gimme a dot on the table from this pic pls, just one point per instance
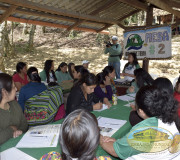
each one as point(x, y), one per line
point(118, 112)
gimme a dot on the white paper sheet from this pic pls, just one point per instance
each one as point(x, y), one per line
point(104, 107)
point(14, 154)
point(128, 104)
point(132, 95)
point(120, 80)
point(40, 137)
point(126, 98)
point(108, 126)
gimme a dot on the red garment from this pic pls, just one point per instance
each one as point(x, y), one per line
point(17, 78)
point(177, 97)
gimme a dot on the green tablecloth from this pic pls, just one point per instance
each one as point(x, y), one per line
point(118, 112)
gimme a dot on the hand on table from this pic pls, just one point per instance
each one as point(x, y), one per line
point(105, 139)
point(106, 101)
point(133, 107)
point(131, 89)
point(17, 133)
point(97, 106)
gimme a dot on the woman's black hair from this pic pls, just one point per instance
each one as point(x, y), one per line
point(47, 67)
point(100, 78)
point(20, 66)
point(70, 70)
point(61, 65)
point(5, 83)
point(135, 61)
point(107, 70)
point(89, 79)
point(33, 76)
point(142, 77)
point(80, 69)
point(79, 136)
point(164, 85)
point(156, 103)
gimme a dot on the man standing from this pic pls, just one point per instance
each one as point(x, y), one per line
point(115, 54)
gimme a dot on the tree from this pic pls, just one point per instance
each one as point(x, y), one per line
point(31, 38)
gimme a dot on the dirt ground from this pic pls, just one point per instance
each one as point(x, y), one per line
point(85, 46)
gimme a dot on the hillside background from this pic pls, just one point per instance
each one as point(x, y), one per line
point(75, 46)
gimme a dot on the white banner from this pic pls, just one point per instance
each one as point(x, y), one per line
point(153, 43)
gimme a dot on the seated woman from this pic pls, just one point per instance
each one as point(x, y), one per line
point(71, 69)
point(128, 71)
point(12, 120)
point(164, 85)
point(109, 71)
point(142, 78)
point(34, 87)
point(103, 88)
point(78, 72)
point(82, 95)
point(79, 138)
point(158, 109)
point(62, 75)
point(20, 78)
point(48, 74)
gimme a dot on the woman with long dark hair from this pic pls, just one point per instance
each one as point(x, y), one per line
point(71, 69)
point(142, 78)
point(48, 74)
point(20, 77)
point(34, 87)
point(78, 72)
point(62, 74)
point(157, 109)
point(82, 95)
point(128, 71)
point(12, 120)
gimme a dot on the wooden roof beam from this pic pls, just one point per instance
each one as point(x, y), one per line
point(105, 27)
point(120, 19)
point(7, 13)
point(172, 3)
point(57, 11)
point(46, 15)
point(104, 7)
point(163, 5)
point(136, 4)
point(51, 24)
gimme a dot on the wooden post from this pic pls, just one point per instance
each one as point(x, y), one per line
point(149, 22)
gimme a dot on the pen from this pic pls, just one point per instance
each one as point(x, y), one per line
point(53, 140)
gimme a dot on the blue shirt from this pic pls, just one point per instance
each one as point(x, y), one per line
point(28, 91)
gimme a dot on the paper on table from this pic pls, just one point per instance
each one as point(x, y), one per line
point(126, 98)
point(132, 95)
point(128, 105)
point(109, 126)
point(15, 154)
point(40, 137)
point(120, 80)
point(104, 107)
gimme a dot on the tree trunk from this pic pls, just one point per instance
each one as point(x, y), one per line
point(25, 29)
point(31, 38)
point(44, 29)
